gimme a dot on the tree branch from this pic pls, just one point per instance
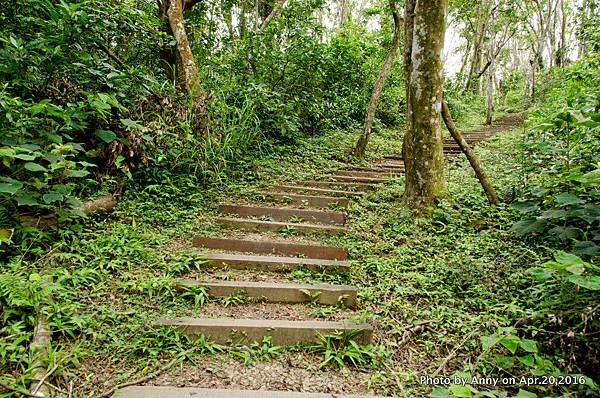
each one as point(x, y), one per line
point(473, 160)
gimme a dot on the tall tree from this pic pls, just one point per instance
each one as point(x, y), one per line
point(482, 23)
point(343, 12)
point(425, 27)
point(491, 69)
point(181, 59)
point(361, 145)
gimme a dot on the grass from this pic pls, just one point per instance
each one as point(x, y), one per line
point(431, 287)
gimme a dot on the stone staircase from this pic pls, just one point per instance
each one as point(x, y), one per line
point(308, 208)
point(305, 208)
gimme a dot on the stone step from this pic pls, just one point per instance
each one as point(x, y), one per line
point(197, 392)
point(362, 187)
point(363, 173)
point(390, 164)
point(271, 263)
point(308, 200)
point(394, 157)
point(275, 226)
point(319, 191)
point(224, 330)
point(378, 169)
point(272, 247)
point(285, 214)
point(279, 292)
point(372, 180)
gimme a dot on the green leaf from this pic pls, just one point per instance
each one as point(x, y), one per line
point(504, 362)
point(590, 213)
point(7, 152)
point(554, 214)
point(527, 360)
point(567, 199)
point(526, 206)
point(541, 274)
point(525, 394)
point(34, 167)
point(11, 187)
point(57, 139)
point(586, 248)
point(77, 173)
point(576, 269)
point(564, 233)
point(488, 341)
point(528, 345)
point(27, 199)
point(52, 197)
point(131, 124)
point(461, 391)
point(24, 156)
point(590, 282)
point(106, 135)
point(511, 342)
point(591, 178)
point(529, 226)
point(567, 258)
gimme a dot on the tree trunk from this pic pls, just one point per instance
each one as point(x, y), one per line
point(243, 28)
point(562, 47)
point(227, 14)
point(186, 77)
point(473, 160)
point(472, 81)
point(527, 92)
point(491, 71)
point(361, 145)
point(343, 13)
point(274, 12)
point(465, 60)
point(423, 145)
point(187, 73)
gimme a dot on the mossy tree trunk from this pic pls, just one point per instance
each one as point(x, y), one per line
point(181, 60)
point(423, 146)
point(343, 13)
point(361, 144)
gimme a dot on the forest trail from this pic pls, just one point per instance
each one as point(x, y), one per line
point(249, 266)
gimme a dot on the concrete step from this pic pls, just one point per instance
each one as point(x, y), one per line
point(224, 330)
point(371, 180)
point(363, 173)
point(279, 292)
point(285, 214)
point(245, 224)
point(317, 191)
point(272, 247)
point(271, 263)
point(196, 392)
point(361, 187)
point(308, 200)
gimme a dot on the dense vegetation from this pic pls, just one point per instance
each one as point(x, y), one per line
point(88, 107)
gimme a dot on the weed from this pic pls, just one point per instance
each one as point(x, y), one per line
point(340, 350)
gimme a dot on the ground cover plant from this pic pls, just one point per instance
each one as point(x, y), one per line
point(465, 299)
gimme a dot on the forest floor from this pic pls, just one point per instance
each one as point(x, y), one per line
point(430, 287)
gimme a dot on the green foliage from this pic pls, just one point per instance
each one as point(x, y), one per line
point(340, 350)
point(569, 268)
point(257, 351)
